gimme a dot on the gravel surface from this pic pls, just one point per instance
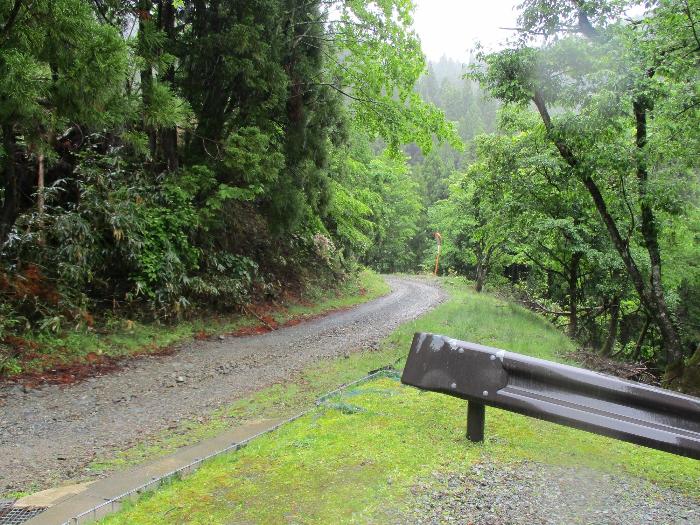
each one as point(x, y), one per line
point(52, 434)
point(530, 493)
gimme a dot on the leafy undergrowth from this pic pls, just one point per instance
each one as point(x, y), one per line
point(355, 459)
point(73, 355)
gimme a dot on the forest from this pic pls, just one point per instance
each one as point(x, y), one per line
point(162, 159)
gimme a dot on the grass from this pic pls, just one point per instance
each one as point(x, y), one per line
point(355, 459)
point(280, 400)
point(122, 338)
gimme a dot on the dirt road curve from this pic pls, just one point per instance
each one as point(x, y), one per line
point(51, 434)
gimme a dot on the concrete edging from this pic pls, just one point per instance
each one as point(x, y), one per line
point(89, 496)
point(87, 502)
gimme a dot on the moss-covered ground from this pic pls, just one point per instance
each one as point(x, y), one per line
point(355, 458)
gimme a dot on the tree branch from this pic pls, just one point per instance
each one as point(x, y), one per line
point(12, 18)
point(692, 23)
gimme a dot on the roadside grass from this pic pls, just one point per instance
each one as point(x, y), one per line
point(356, 458)
point(276, 401)
point(118, 338)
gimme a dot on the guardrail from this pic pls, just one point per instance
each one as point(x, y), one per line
point(575, 397)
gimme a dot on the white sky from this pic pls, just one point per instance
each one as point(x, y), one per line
point(451, 27)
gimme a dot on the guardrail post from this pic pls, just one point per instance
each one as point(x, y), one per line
point(476, 415)
point(575, 397)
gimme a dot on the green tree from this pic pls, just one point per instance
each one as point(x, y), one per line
point(395, 215)
point(470, 224)
point(605, 85)
point(62, 76)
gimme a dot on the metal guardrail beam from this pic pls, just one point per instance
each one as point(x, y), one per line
point(575, 397)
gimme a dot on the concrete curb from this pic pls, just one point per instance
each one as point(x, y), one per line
point(72, 504)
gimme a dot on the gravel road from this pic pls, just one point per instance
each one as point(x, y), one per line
point(529, 493)
point(51, 434)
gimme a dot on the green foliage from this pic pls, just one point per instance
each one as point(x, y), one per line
point(379, 61)
point(254, 157)
point(611, 155)
point(201, 158)
point(510, 75)
point(9, 319)
point(350, 217)
point(59, 66)
point(223, 151)
point(165, 256)
point(396, 217)
point(119, 228)
point(375, 206)
point(165, 109)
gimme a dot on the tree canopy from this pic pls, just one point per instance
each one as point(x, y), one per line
point(161, 158)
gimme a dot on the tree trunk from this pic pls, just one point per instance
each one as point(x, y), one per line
point(572, 329)
point(40, 205)
point(40, 184)
point(10, 204)
point(612, 326)
point(652, 296)
point(211, 117)
point(690, 380)
point(146, 75)
point(672, 341)
point(653, 301)
point(168, 136)
point(480, 277)
point(642, 336)
point(550, 281)
point(481, 264)
point(11, 19)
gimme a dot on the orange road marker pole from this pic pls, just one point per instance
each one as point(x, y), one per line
point(438, 238)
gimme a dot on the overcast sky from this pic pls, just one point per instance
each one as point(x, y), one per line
point(451, 27)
